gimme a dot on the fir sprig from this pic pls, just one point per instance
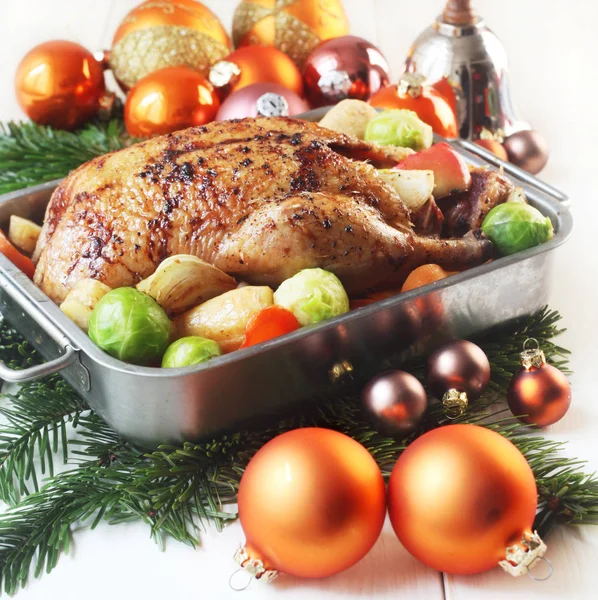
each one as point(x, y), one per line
point(31, 154)
point(177, 487)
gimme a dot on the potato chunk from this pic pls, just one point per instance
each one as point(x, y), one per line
point(82, 299)
point(23, 233)
point(350, 117)
point(184, 281)
point(224, 318)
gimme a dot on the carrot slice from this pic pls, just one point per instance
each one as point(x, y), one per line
point(16, 258)
point(268, 324)
point(424, 275)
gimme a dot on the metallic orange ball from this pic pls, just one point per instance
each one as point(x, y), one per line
point(294, 26)
point(256, 64)
point(168, 100)
point(167, 33)
point(311, 503)
point(541, 395)
point(60, 84)
point(459, 496)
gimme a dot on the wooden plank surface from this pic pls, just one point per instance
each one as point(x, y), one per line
point(552, 46)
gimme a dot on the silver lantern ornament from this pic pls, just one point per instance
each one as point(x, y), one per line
point(460, 48)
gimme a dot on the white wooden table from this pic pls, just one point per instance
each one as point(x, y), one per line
point(553, 48)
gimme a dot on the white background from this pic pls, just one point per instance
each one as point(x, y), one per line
point(553, 49)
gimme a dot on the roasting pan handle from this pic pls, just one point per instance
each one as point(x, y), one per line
point(68, 354)
point(513, 170)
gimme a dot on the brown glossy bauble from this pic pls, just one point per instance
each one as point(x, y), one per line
point(412, 93)
point(459, 496)
point(256, 64)
point(312, 503)
point(60, 84)
point(168, 100)
point(396, 401)
point(294, 26)
point(344, 67)
point(528, 150)
point(458, 365)
point(166, 33)
point(539, 396)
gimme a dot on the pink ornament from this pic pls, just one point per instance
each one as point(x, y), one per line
point(262, 100)
point(344, 67)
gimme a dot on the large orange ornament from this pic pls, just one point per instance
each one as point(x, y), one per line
point(59, 83)
point(167, 33)
point(462, 498)
point(256, 64)
point(169, 100)
point(431, 106)
point(311, 503)
point(294, 26)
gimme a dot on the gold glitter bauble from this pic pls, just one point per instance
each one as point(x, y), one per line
point(167, 33)
point(294, 26)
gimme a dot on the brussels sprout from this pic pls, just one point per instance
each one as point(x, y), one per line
point(130, 325)
point(313, 295)
point(399, 127)
point(516, 226)
point(190, 351)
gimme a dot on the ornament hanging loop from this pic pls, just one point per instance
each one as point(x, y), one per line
point(234, 575)
point(533, 564)
point(532, 357)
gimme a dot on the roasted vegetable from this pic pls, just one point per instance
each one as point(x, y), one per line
point(16, 258)
point(184, 281)
point(423, 276)
point(313, 295)
point(399, 127)
point(82, 299)
point(23, 233)
point(350, 117)
point(414, 187)
point(131, 326)
point(514, 226)
point(224, 318)
point(190, 351)
point(270, 323)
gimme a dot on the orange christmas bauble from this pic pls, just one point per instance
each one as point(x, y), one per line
point(167, 33)
point(256, 64)
point(311, 503)
point(60, 84)
point(431, 106)
point(459, 496)
point(294, 26)
point(168, 100)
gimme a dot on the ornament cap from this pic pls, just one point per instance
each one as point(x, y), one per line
point(455, 404)
point(254, 566)
point(272, 105)
point(224, 73)
point(520, 558)
point(532, 357)
point(411, 84)
point(336, 84)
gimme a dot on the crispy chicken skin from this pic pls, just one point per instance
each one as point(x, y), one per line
point(258, 198)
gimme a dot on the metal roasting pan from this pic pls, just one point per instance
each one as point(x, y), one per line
point(150, 406)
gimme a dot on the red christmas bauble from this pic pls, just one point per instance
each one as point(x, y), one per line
point(539, 394)
point(344, 67)
point(460, 496)
point(312, 503)
point(262, 100)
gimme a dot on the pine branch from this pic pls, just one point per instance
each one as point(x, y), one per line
point(31, 154)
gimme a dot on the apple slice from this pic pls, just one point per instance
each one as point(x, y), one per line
point(451, 173)
point(414, 187)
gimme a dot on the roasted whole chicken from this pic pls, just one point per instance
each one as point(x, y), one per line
point(260, 199)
